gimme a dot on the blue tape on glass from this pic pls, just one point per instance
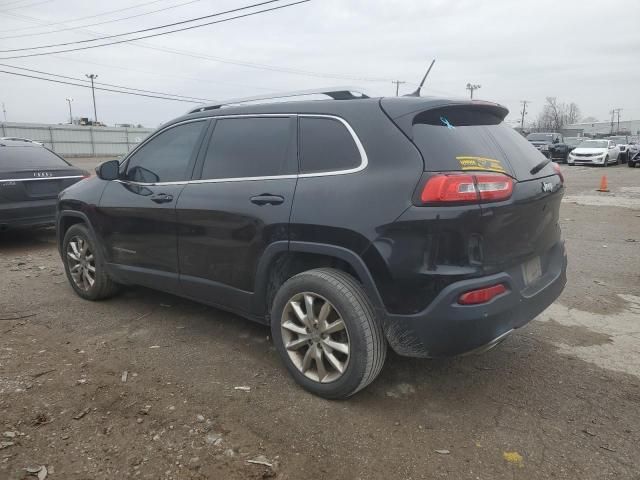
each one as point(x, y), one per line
point(446, 123)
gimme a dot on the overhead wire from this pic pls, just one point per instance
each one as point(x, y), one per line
point(98, 88)
point(105, 84)
point(121, 19)
point(159, 27)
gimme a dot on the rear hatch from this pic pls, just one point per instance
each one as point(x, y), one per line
point(471, 137)
point(33, 173)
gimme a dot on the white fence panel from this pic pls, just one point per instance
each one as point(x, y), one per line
point(76, 140)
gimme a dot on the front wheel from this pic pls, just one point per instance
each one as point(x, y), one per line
point(84, 264)
point(327, 334)
point(606, 161)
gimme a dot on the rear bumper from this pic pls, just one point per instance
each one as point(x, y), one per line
point(446, 328)
point(27, 214)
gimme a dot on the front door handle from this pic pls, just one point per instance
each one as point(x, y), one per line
point(162, 198)
point(267, 199)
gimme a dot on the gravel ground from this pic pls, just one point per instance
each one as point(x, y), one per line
point(145, 385)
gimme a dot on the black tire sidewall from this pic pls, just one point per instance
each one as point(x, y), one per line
point(80, 230)
point(349, 382)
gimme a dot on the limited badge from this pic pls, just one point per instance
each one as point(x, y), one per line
point(481, 163)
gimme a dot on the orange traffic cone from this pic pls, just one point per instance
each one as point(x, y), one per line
point(604, 187)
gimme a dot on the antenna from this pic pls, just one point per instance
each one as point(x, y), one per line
point(417, 92)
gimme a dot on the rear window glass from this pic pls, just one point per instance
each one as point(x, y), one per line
point(447, 140)
point(26, 158)
point(326, 145)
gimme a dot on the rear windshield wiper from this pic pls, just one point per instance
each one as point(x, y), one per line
point(540, 166)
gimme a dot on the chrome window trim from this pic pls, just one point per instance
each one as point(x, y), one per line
point(2, 180)
point(364, 159)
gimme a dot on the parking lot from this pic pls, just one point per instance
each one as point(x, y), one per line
point(145, 385)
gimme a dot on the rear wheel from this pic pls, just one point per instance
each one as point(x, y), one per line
point(84, 265)
point(327, 334)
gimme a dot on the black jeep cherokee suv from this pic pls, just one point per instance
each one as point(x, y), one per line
point(346, 224)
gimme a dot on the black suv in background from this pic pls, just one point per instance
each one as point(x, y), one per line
point(346, 224)
point(551, 145)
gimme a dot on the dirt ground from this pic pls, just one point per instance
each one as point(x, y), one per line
point(144, 385)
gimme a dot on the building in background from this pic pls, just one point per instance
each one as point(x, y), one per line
point(627, 127)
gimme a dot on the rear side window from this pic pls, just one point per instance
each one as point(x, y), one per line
point(27, 158)
point(326, 145)
point(251, 147)
point(166, 156)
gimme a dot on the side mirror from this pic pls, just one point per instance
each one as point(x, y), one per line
point(108, 170)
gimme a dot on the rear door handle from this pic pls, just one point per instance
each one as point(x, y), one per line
point(267, 199)
point(162, 198)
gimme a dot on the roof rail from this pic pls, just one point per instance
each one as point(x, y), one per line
point(336, 93)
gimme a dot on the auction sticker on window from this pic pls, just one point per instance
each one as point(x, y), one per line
point(481, 163)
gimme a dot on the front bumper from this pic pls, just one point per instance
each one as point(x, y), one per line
point(446, 328)
point(28, 214)
point(586, 160)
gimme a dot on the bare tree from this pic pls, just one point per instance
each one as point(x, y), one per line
point(556, 115)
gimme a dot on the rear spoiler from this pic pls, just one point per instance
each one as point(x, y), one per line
point(404, 111)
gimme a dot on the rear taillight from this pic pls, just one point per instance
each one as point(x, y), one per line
point(558, 171)
point(466, 188)
point(482, 295)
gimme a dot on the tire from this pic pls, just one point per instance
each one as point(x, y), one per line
point(102, 287)
point(362, 333)
point(631, 164)
point(606, 161)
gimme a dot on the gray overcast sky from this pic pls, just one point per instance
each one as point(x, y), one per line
point(579, 51)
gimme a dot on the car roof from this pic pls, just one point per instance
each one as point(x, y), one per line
point(395, 107)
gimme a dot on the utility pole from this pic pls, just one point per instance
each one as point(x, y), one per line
point(618, 110)
point(611, 112)
point(472, 87)
point(397, 82)
point(69, 100)
point(523, 112)
point(93, 76)
point(4, 111)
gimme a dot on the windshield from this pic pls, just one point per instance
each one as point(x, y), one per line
point(540, 137)
point(594, 144)
point(573, 141)
point(28, 157)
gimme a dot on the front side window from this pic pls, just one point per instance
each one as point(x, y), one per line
point(165, 157)
point(251, 147)
point(326, 145)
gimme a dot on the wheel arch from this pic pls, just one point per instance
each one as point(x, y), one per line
point(282, 260)
point(67, 218)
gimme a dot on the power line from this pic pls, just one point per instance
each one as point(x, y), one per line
point(50, 24)
point(106, 37)
point(97, 88)
point(26, 6)
point(100, 23)
point(258, 66)
point(106, 84)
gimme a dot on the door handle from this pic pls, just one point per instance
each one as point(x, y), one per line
point(267, 199)
point(162, 198)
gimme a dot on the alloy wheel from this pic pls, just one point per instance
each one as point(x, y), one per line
point(81, 263)
point(315, 337)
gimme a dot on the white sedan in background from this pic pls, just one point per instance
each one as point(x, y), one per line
point(595, 152)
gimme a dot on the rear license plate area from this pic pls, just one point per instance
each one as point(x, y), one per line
point(531, 271)
point(43, 187)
